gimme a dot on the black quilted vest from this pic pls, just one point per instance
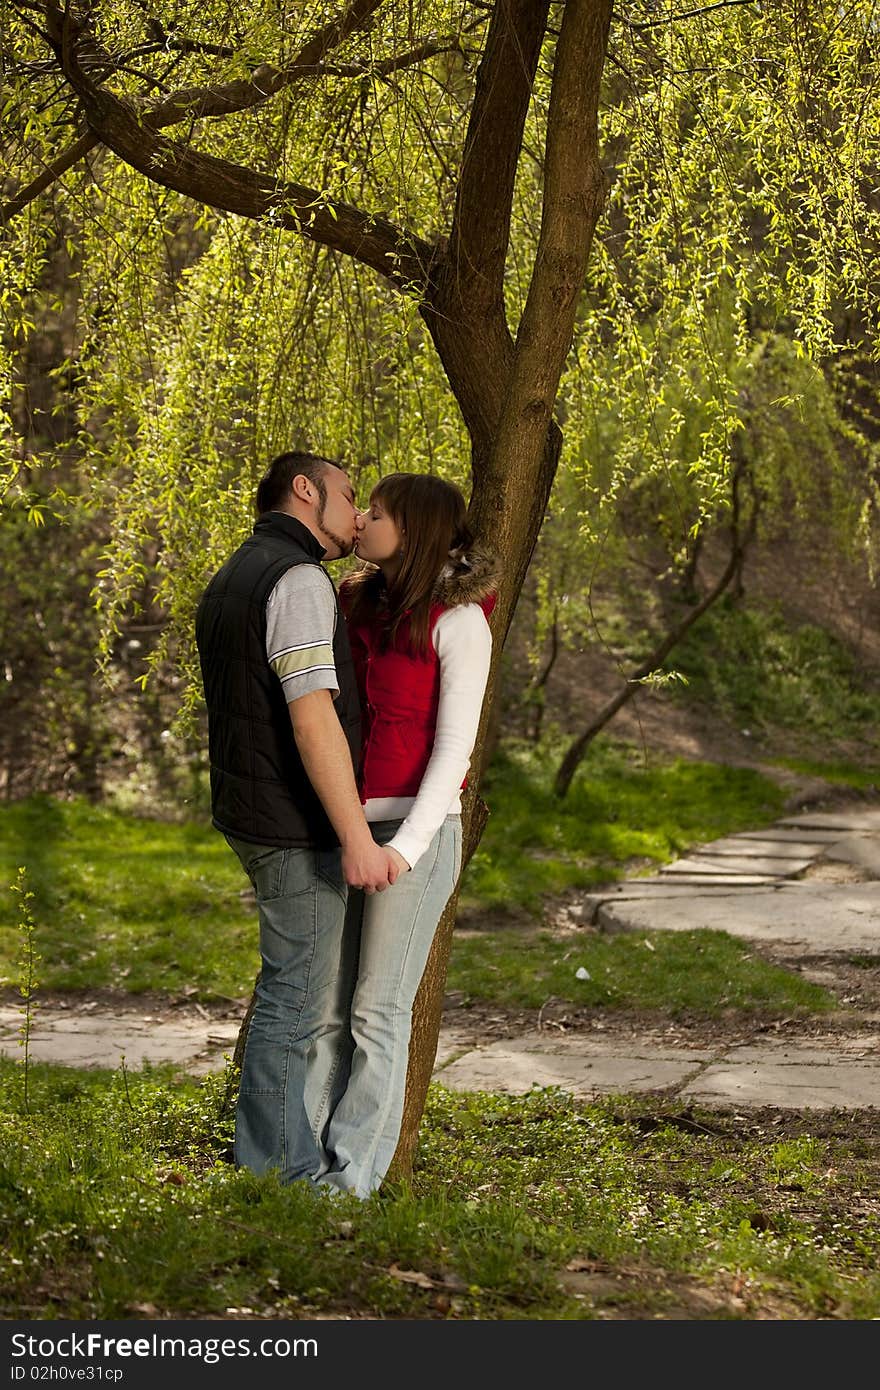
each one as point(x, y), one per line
point(259, 788)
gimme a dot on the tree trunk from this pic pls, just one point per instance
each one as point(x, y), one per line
point(506, 391)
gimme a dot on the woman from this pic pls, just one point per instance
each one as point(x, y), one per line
point(416, 615)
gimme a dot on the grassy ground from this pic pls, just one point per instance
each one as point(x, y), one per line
point(144, 904)
point(117, 1201)
point(754, 667)
point(704, 973)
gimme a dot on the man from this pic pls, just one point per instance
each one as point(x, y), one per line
point(284, 739)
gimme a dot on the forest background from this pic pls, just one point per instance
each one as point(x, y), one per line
point(615, 275)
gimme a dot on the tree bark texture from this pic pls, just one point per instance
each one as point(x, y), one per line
point(523, 451)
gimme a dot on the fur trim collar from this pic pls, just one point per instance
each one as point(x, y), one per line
point(467, 578)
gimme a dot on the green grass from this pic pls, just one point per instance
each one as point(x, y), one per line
point(125, 901)
point(116, 1201)
point(759, 672)
point(687, 972)
point(617, 811)
point(863, 777)
point(145, 904)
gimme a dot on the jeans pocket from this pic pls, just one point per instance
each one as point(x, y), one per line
point(280, 873)
point(266, 873)
point(328, 867)
point(263, 865)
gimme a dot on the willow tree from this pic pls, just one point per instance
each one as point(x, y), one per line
point(724, 375)
point(214, 108)
point(269, 211)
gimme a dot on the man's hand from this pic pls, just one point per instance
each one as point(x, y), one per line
point(370, 866)
point(327, 761)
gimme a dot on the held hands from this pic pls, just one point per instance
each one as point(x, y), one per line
point(370, 866)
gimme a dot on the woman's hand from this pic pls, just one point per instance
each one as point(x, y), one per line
point(398, 860)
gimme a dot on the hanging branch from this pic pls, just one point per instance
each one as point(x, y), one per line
point(401, 257)
point(52, 172)
point(198, 103)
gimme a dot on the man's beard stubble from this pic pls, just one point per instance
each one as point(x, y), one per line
point(345, 547)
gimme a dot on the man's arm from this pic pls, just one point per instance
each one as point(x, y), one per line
point(327, 760)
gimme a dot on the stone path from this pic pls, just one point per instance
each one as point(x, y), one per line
point(756, 886)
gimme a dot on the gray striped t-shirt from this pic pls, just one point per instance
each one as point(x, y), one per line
point(300, 624)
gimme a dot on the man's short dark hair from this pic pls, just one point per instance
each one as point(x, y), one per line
point(275, 484)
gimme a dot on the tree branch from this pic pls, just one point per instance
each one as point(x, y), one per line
point(481, 221)
point(196, 103)
point(431, 48)
point(465, 310)
point(375, 241)
point(738, 545)
point(687, 14)
point(72, 155)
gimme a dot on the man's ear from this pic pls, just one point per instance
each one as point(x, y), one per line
point(301, 487)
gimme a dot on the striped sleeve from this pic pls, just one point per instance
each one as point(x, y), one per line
point(300, 623)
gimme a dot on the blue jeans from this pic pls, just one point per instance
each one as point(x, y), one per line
point(388, 937)
point(297, 1034)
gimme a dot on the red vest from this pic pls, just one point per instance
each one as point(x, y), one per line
point(400, 695)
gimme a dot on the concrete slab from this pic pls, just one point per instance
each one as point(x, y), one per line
point(862, 851)
point(753, 865)
point(818, 918)
point(774, 847)
point(782, 831)
point(650, 889)
point(102, 1040)
point(803, 1076)
point(714, 880)
point(790, 1074)
point(583, 1066)
point(865, 818)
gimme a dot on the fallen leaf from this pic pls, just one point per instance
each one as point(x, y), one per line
point(412, 1276)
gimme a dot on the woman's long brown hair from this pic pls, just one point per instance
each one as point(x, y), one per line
point(431, 515)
